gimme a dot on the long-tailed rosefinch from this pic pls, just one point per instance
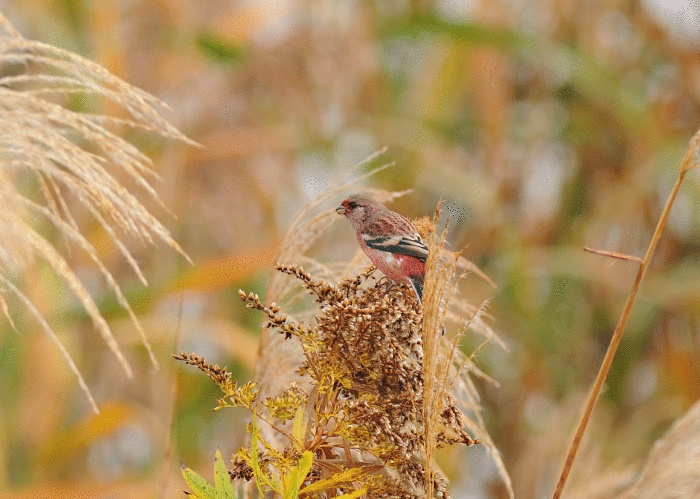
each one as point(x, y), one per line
point(388, 239)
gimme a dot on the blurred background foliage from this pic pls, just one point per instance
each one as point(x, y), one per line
point(544, 126)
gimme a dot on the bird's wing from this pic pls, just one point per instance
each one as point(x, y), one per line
point(401, 244)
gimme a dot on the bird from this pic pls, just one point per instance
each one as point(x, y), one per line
point(390, 241)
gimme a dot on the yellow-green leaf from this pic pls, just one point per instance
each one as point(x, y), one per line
point(299, 427)
point(297, 475)
point(200, 487)
point(260, 477)
point(342, 478)
point(224, 487)
point(305, 462)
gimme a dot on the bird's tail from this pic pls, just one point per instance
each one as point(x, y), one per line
point(417, 284)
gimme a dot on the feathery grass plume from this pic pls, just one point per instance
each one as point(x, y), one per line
point(439, 275)
point(69, 154)
point(445, 368)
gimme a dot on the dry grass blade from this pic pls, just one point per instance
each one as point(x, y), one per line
point(673, 468)
point(69, 153)
point(685, 167)
point(45, 326)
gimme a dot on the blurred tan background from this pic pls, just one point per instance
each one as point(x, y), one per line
point(544, 126)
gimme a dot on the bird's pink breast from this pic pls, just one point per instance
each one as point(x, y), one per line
point(398, 268)
point(412, 266)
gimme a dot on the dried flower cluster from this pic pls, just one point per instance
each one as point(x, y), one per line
point(216, 373)
point(363, 416)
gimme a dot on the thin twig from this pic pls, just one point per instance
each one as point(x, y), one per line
point(686, 166)
point(613, 254)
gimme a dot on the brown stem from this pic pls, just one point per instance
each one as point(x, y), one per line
point(619, 330)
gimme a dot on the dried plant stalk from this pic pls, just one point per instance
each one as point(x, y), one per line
point(689, 162)
point(70, 154)
point(439, 276)
point(445, 368)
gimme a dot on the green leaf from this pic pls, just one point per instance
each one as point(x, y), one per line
point(342, 478)
point(200, 487)
point(297, 475)
point(224, 487)
point(471, 33)
point(260, 477)
point(218, 49)
point(299, 426)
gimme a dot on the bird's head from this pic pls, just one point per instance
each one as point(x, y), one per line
point(357, 208)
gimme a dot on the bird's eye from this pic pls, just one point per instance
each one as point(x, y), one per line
point(352, 205)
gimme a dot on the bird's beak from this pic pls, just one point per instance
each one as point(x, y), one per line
point(340, 210)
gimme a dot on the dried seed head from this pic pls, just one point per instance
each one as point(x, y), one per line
point(364, 353)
